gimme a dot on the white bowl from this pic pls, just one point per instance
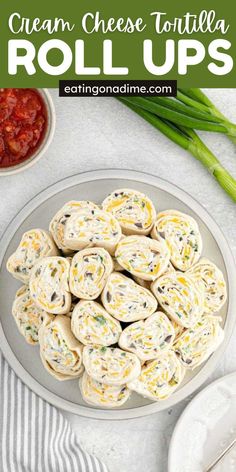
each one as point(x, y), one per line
point(206, 426)
point(51, 116)
point(94, 186)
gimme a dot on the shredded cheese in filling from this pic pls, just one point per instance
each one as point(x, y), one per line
point(34, 245)
point(179, 297)
point(196, 344)
point(28, 316)
point(57, 225)
point(92, 227)
point(89, 271)
point(159, 378)
point(209, 278)
point(49, 285)
point(143, 257)
point(56, 352)
point(126, 300)
point(148, 338)
point(182, 235)
point(91, 324)
point(101, 394)
point(110, 365)
point(134, 210)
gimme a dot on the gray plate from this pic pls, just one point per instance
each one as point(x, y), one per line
point(95, 185)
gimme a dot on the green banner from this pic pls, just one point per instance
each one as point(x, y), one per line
point(44, 42)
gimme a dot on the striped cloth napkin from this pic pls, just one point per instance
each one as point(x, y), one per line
point(34, 436)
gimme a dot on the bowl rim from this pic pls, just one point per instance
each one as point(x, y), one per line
point(202, 376)
point(6, 171)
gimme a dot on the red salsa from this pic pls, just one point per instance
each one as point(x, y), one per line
point(23, 122)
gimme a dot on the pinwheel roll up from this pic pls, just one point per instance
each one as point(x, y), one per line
point(34, 245)
point(159, 378)
point(49, 285)
point(92, 227)
point(143, 257)
point(148, 338)
point(196, 344)
point(60, 351)
point(211, 279)
point(179, 296)
point(126, 300)
point(57, 225)
point(89, 271)
point(27, 315)
point(110, 365)
point(182, 235)
point(134, 211)
point(100, 394)
point(91, 324)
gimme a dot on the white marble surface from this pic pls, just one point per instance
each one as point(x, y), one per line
point(96, 133)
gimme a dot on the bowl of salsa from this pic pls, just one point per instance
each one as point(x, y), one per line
point(27, 125)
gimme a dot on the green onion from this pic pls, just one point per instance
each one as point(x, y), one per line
point(194, 95)
point(175, 116)
point(196, 99)
point(100, 319)
point(187, 110)
point(189, 140)
point(181, 118)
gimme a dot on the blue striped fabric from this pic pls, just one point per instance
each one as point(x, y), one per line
point(34, 436)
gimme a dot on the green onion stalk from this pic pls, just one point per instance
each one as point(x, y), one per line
point(184, 115)
point(186, 137)
point(194, 98)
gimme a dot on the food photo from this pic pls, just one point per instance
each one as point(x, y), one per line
point(117, 283)
point(117, 236)
point(144, 355)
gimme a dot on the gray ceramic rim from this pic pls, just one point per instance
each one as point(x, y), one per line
point(210, 365)
point(44, 144)
point(185, 412)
